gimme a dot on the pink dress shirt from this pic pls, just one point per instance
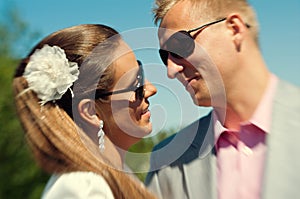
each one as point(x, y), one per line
point(241, 155)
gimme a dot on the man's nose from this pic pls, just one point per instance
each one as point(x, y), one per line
point(173, 68)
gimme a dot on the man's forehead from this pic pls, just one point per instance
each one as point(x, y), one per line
point(179, 17)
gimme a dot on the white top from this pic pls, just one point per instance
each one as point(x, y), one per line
point(80, 185)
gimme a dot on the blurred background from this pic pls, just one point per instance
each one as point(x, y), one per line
point(24, 23)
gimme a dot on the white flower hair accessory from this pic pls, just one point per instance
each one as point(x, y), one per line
point(49, 73)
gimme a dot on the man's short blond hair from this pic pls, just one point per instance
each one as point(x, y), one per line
point(211, 10)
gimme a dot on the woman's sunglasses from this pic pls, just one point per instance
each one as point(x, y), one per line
point(181, 44)
point(138, 88)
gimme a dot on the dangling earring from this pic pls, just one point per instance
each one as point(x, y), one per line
point(101, 137)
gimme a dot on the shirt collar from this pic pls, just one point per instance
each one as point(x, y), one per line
point(262, 115)
point(218, 127)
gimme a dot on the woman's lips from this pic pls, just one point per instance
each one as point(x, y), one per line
point(146, 112)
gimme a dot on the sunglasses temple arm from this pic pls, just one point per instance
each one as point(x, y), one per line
point(133, 88)
point(115, 92)
point(211, 23)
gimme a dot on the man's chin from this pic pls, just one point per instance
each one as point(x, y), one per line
point(201, 102)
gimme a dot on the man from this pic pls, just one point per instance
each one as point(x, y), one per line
point(247, 146)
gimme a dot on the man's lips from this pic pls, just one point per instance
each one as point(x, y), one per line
point(186, 82)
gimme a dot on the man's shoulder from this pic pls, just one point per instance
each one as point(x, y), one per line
point(288, 95)
point(194, 127)
point(183, 147)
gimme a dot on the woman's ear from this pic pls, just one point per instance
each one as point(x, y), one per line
point(237, 27)
point(87, 111)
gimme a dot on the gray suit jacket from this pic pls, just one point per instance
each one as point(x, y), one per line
point(184, 165)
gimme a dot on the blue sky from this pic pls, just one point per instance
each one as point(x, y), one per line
point(172, 106)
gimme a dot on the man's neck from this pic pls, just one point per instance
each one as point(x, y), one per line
point(244, 99)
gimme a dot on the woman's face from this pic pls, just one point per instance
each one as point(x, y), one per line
point(126, 114)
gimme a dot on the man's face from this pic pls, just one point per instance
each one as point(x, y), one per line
point(197, 72)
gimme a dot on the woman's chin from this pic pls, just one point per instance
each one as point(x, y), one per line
point(146, 130)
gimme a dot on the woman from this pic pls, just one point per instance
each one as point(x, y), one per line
point(82, 101)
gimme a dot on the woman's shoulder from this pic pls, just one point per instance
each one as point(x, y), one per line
point(77, 185)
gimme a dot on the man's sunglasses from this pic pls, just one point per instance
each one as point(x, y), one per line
point(181, 44)
point(138, 88)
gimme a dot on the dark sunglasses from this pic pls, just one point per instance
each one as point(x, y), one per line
point(138, 88)
point(181, 44)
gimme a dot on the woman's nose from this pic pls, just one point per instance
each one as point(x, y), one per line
point(149, 89)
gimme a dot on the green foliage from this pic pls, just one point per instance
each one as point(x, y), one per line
point(15, 35)
point(19, 175)
point(140, 163)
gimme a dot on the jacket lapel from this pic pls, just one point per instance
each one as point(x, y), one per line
point(281, 178)
point(200, 175)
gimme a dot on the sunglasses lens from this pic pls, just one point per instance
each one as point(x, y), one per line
point(140, 93)
point(175, 55)
point(180, 45)
point(164, 55)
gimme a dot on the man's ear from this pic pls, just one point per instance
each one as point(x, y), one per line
point(237, 28)
point(87, 112)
